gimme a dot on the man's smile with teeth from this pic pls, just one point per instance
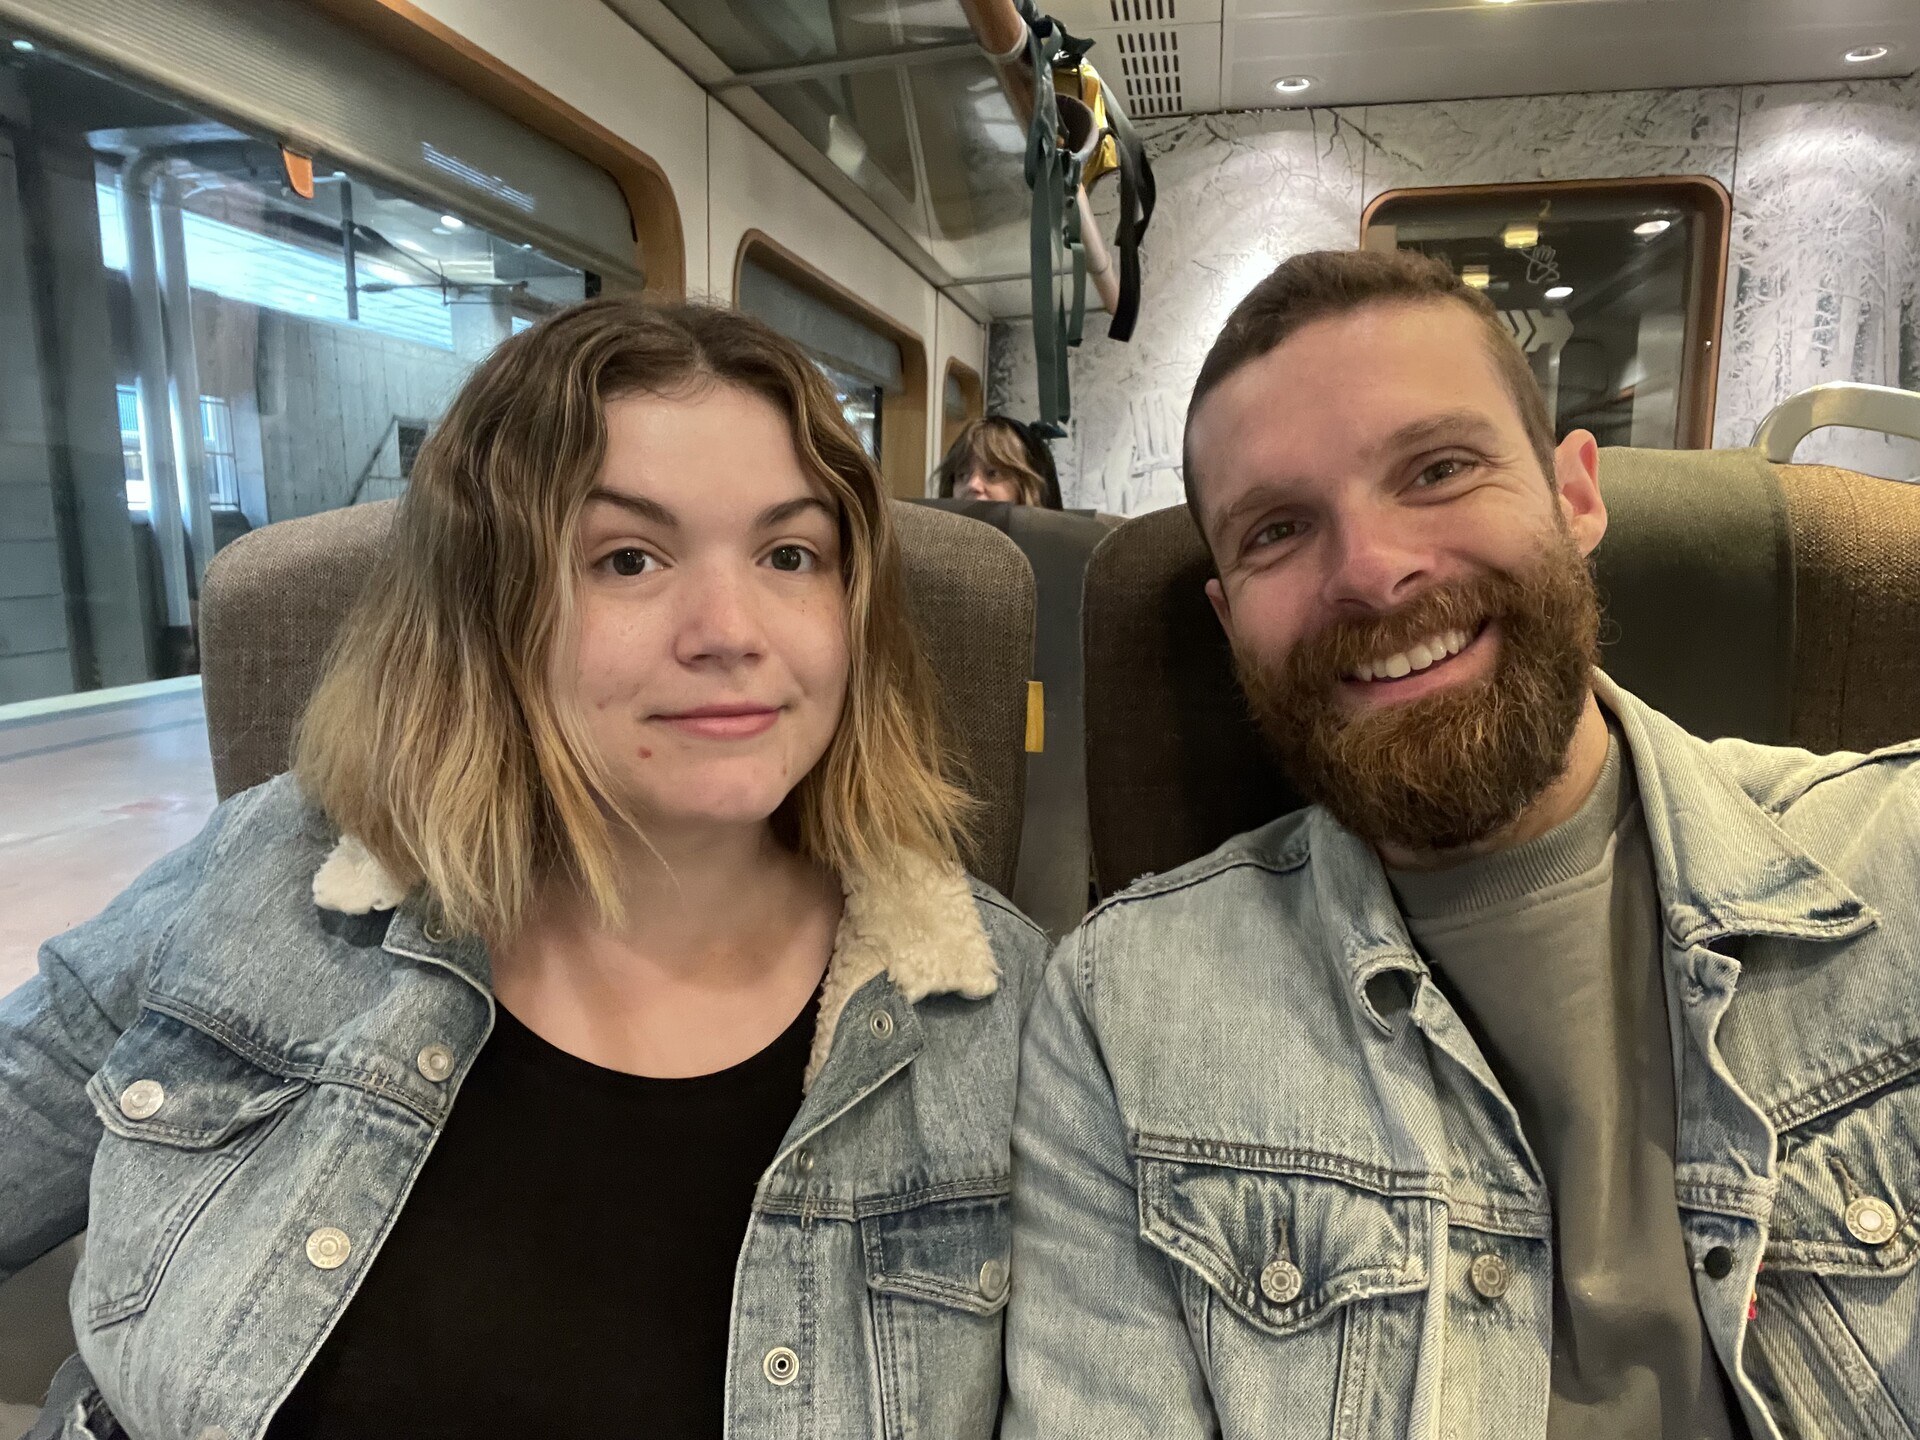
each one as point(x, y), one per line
point(1415, 658)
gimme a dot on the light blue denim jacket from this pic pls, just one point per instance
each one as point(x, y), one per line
point(233, 1087)
point(1257, 1151)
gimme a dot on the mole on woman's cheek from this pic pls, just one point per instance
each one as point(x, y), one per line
point(645, 754)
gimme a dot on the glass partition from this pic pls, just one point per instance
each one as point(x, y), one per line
point(1613, 288)
point(191, 348)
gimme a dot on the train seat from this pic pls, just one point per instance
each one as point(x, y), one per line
point(1051, 883)
point(1776, 602)
point(271, 604)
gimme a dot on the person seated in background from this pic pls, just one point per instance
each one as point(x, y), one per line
point(998, 458)
point(1555, 1073)
point(596, 1032)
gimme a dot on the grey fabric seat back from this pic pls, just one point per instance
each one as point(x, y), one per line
point(274, 599)
point(1051, 884)
point(1777, 603)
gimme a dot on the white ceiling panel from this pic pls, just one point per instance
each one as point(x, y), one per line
point(1368, 54)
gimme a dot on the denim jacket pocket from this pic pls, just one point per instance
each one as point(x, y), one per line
point(1283, 1251)
point(1835, 1296)
point(938, 1279)
point(181, 1110)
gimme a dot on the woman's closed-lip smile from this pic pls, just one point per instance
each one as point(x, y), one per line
point(723, 722)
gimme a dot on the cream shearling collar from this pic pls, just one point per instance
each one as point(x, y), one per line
point(916, 922)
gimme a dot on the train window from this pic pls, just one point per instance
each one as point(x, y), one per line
point(961, 400)
point(876, 367)
point(194, 348)
point(1612, 287)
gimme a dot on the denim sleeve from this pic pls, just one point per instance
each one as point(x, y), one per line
point(1097, 1345)
point(55, 1032)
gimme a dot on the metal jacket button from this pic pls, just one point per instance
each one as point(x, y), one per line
point(1870, 1220)
point(881, 1024)
point(1490, 1275)
point(993, 1279)
point(1717, 1262)
point(781, 1366)
point(1280, 1282)
point(435, 1062)
point(328, 1248)
point(142, 1099)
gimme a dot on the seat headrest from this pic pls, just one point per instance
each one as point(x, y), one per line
point(1696, 582)
point(273, 600)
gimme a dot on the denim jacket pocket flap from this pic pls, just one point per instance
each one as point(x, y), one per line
point(1283, 1250)
point(1848, 1194)
point(169, 1082)
point(951, 1252)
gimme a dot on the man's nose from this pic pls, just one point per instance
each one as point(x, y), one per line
point(1376, 566)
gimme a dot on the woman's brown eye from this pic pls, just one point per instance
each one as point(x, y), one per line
point(627, 562)
point(789, 557)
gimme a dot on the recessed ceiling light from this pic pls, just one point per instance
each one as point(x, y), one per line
point(1478, 276)
point(25, 47)
point(441, 230)
point(413, 245)
point(453, 222)
point(1293, 84)
point(1520, 237)
point(1859, 55)
point(1559, 292)
point(1651, 228)
point(1499, 2)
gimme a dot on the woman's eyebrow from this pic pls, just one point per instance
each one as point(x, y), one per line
point(639, 504)
point(789, 509)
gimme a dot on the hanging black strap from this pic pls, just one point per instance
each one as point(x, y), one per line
point(1137, 195)
point(1045, 175)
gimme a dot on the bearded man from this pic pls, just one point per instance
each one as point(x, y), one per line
point(1555, 1074)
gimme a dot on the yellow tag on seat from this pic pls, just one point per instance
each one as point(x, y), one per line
point(1036, 717)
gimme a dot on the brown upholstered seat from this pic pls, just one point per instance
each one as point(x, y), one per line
point(1780, 603)
point(274, 598)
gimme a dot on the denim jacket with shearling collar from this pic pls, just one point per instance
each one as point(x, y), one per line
point(1266, 1184)
point(231, 1076)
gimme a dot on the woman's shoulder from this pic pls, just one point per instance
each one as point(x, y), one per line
point(1020, 947)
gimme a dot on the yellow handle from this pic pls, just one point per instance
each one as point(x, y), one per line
point(1036, 717)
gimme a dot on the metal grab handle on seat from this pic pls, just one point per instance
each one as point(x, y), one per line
point(1865, 407)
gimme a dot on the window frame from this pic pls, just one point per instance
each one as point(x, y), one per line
point(903, 417)
point(1707, 259)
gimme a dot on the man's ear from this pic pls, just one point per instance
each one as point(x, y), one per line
point(1576, 474)
point(1217, 597)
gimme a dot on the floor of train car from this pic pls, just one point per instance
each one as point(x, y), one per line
point(88, 799)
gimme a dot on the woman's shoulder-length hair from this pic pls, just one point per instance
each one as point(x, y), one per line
point(436, 735)
point(1001, 443)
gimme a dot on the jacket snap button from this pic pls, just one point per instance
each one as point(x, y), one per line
point(1280, 1282)
point(803, 1161)
point(142, 1099)
point(781, 1366)
point(881, 1024)
point(1870, 1221)
point(1717, 1262)
point(993, 1279)
point(328, 1248)
point(1490, 1275)
point(436, 930)
point(435, 1062)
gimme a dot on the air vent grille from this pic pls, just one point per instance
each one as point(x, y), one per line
point(1133, 12)
point(1149, 63)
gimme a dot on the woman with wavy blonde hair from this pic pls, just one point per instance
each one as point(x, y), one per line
point(596, 1031)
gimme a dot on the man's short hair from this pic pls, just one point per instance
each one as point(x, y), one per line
point(1323, 283)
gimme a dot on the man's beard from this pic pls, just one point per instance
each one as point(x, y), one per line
point(1458, 766)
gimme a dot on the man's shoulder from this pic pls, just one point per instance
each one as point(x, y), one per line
point(1784, 780)
point(1273, 854)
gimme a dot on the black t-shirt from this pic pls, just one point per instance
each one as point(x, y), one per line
point(564, 1265)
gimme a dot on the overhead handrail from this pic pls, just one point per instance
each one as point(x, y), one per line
point(1844, 402)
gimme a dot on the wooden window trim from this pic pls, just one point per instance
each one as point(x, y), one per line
point(903, 417)
point(1706, 309)
point(969, 382)
point(406, 29)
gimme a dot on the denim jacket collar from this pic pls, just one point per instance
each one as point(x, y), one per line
point(915, 922)
point(1722, 866)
